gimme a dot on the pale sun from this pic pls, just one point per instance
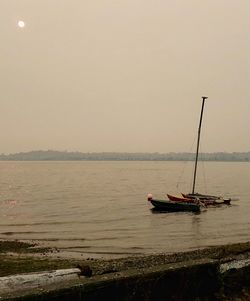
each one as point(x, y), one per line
point(21, 24)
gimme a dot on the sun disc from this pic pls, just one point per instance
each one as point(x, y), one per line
point(21, 24)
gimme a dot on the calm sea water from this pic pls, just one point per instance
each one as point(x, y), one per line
point(100, 209)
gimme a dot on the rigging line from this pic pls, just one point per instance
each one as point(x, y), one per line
point(184, 166)
point(203, 170)
point(191, 180)
point(201, 157)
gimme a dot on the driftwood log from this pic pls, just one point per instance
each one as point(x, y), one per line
point(16, 283)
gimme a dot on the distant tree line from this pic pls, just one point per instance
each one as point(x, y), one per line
point(51, 155)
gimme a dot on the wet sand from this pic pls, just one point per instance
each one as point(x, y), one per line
point(21, 257)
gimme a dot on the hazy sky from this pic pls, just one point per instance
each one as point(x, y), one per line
point(124, 75)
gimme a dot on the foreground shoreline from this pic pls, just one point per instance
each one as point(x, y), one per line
point(23, 257)
point(214, 273)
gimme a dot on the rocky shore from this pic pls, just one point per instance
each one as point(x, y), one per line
point(22, 257)
point(17, 257)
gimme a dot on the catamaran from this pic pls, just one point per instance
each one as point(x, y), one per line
point(191, 201)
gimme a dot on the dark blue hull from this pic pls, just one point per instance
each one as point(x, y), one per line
point(175, 206)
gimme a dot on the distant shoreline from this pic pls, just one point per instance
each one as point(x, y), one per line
point(51, 155)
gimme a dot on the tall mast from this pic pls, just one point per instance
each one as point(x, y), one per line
point(198, 142)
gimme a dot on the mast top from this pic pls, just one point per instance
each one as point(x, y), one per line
point(204, 97)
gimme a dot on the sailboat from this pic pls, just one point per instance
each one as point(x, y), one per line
point(168, 205)
point(191, 201)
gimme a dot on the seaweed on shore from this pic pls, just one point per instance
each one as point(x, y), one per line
point(21, 257)
point(15, 246)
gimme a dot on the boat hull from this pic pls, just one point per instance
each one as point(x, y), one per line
point(174, 206)
point(180, 199)
point(208, 199)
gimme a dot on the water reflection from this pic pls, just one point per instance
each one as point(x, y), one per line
point(159, 211)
